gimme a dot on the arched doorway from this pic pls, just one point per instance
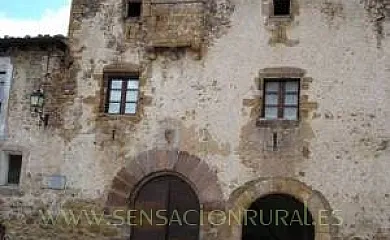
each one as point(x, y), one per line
point(167, 208)
point(278, 217)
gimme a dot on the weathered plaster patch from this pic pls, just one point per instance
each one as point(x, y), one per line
point(218, 18)
point(193, 139)
point(279, 26)
point(279, 35)
point(378, 12)
point(256, 145)
point(333, 11)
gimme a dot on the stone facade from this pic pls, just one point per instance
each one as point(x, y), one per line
point(201, 73)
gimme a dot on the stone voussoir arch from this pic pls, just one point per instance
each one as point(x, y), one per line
point(149, 164)
point(318, 206)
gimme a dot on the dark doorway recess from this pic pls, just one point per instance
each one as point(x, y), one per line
point(278, 217)
point(170, 210)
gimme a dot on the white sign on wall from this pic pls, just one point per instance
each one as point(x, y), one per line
point(54, 182)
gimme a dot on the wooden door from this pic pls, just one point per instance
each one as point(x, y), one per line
point(168, 209)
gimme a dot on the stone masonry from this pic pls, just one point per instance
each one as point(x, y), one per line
point(202, 67)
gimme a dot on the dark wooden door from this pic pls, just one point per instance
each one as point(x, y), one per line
point(167, 209)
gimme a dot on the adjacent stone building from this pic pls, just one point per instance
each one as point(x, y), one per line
point(214, 107)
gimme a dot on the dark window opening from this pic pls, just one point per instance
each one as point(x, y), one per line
point(14, 169)
point(281, 99)
point(122, 95)
point(282, 7)
point(134, 9)
point(2, 72)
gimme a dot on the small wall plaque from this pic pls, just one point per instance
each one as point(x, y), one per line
point(55, 182)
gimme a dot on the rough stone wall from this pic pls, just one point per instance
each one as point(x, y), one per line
point(42, 148)
point(209, 107)
point(31, 218)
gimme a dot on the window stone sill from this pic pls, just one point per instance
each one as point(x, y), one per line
point(10, 190)
point(286, 18)
point(277, 123)
point(117, 116)
point(135, 118)
point(273, 22)
point(136, 20)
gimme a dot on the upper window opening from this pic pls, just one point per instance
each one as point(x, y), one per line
point(281, 99)
point(282, 7)
point(122, 95)
point(134, 9)
point(3, 72)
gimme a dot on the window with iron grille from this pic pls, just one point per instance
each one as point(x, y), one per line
point(122, 94)
point(14, 168)
point(281, 99)
point(282, 7)
point(10, 168)
point(134, 8)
